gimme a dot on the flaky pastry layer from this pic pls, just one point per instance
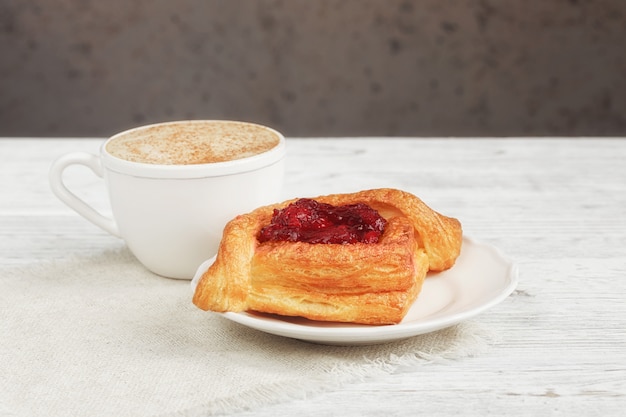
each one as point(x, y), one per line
point(359, 283)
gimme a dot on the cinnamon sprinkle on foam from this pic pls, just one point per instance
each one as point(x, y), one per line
point(195, 142)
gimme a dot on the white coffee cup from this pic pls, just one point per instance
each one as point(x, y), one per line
point(171, 212)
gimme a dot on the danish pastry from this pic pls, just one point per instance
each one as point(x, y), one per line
point(373, 280)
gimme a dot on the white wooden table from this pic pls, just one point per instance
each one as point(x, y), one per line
point(556, 206)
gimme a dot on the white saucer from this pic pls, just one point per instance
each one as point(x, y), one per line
point(481, 278)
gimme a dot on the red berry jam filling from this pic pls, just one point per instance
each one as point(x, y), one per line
point(310, 221)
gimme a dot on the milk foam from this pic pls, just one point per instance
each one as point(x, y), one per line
point(192, 142)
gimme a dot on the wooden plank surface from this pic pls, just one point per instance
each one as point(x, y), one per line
point(556, 206)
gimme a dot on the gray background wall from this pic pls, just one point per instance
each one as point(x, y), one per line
point(316, 67)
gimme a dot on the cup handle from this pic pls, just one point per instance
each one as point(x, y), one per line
point(65, 195)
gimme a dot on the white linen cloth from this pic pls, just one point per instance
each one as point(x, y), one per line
point(102, 336)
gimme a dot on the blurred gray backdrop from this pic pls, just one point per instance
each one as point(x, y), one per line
point(316, 67)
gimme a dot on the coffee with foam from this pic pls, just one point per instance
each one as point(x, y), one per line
point(193, 142)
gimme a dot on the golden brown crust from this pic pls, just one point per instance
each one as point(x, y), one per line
point(360, 283)
point(440, 235)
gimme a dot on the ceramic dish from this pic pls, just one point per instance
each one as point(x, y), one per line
point(481, 278)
